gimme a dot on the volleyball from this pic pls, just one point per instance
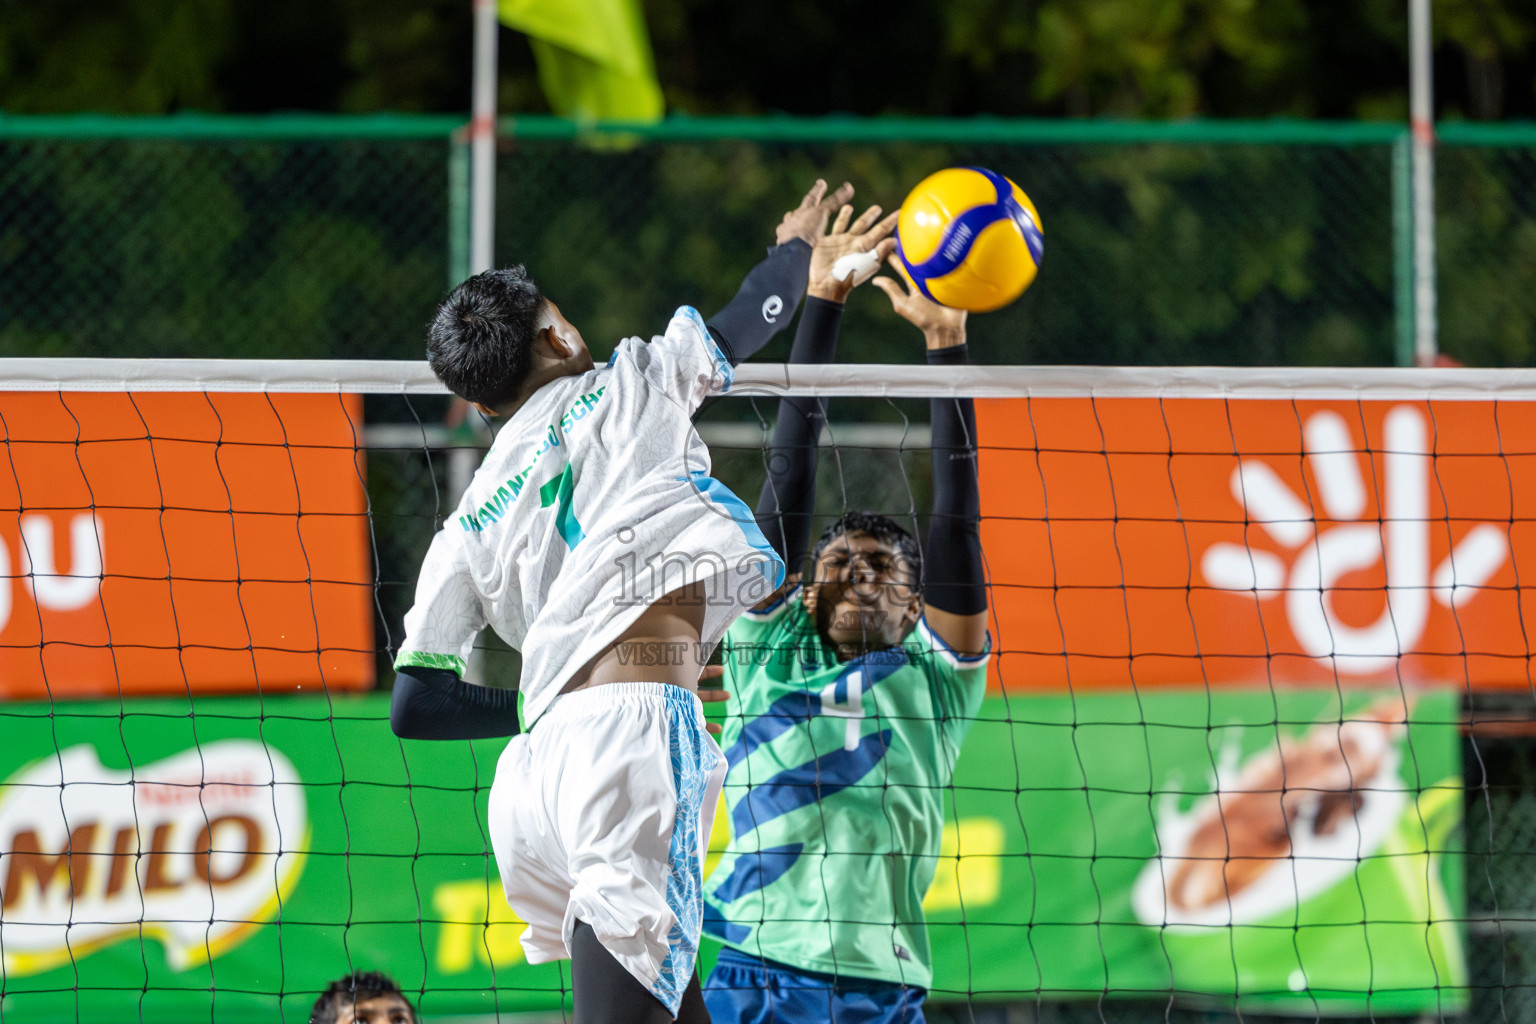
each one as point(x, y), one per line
point(969, 238)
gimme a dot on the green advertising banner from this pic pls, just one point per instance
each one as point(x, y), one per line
point(225, 860)
point(1291, 851)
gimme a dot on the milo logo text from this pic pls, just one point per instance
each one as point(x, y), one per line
point(197, 849)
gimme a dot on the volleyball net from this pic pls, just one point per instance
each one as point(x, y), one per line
point(1255, 735)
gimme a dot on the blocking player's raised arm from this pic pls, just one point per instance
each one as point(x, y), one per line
point(788, 499)
point(430, 699)
point(955, 591)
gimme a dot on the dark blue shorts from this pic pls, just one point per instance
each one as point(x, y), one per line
point(746, 990)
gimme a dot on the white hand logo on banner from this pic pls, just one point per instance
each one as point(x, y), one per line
point(1324, 557)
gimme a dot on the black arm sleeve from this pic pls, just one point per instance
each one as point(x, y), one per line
point(956, 579)
point(765, 302)
point(435, 704)
point(789, 493)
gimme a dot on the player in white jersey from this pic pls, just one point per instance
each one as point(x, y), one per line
point(593, 539)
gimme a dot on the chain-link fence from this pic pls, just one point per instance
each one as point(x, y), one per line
point(1486, 237)
point(1155, 253)
point(1166, 244)
point(118, 239)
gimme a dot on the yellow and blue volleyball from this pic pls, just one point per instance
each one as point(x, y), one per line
point(969, 238)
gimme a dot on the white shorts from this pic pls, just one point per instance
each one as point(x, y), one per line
point(602, 814)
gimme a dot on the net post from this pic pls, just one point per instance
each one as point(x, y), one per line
point(1421, 64)
point(482, 133)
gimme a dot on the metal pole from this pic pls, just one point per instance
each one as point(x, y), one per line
point(1421, 70)
point(482, 234)
point(1402, 248)
point(482, 135)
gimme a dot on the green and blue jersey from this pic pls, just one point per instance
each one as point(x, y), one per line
point(837, 773)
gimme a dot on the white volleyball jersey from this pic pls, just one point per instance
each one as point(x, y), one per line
point(594, 501)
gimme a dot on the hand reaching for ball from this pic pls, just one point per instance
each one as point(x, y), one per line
point(831, 276)
point(808, 221)
point(942, 327)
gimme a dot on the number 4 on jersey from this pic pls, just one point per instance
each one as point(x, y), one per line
point(850, 707)
point(558, 493)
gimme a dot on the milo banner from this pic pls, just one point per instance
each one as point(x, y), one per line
point(226, 860)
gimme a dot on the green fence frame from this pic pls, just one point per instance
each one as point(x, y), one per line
point(785, 129)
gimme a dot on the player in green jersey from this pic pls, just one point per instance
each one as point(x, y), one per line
point(853, 689)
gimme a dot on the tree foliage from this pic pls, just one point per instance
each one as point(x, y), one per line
point(1175, 254)
point(1124, 58)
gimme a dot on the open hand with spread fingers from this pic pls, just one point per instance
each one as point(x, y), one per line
point(850, 253)
point(808, 221)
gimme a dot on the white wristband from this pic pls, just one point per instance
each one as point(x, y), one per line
point(860, 266)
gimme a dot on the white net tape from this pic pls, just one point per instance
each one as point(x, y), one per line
point(382, 376)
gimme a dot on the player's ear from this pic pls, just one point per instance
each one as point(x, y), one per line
point(914, 612)
point(548, 343)
point(914, 609)
point(562, 343)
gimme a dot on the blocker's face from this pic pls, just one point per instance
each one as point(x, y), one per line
point(388, 1009)
point(864, 596)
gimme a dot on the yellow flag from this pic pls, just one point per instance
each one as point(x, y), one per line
point(594, 56)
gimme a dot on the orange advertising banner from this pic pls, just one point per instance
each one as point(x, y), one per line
point(1184, 542)
point(166, 543)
